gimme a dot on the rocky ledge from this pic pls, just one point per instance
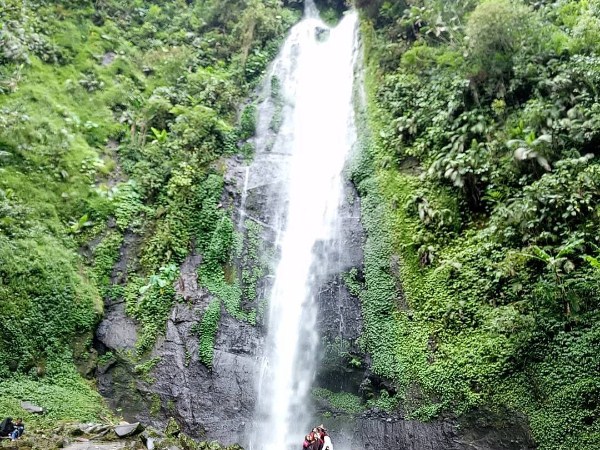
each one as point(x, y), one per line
point(99, 436)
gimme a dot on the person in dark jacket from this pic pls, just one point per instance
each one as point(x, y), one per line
point(6, 427)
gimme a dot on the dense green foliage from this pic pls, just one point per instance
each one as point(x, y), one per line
point(480, 191)
point(114, 119)
point(344, 402)
point(151, 303)
point(207, 332)
point(65, 396)
point(478, 178)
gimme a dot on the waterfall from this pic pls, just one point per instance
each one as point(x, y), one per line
point(303, 158)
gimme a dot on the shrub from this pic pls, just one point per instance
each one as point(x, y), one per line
point(496, 30)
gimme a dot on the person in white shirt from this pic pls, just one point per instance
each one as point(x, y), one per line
point(327, 444)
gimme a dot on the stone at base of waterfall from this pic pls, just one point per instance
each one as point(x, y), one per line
point(321, 33)
point(95, 446)
point(152, 438)
point(128, 429)
point(91, 428)
point(30, 407)
point(150, 443)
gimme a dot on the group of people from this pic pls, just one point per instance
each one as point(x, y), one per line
point(317, 439)
point(10, 429)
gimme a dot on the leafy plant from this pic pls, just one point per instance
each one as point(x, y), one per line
point(76, 226)
point(559, 265)
point(342, 401)
point(160, 136)
point(532, 148)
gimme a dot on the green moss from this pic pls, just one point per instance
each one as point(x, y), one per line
point(212, 273)
point(255, 262)
point(248, 122)
point(105, 359)
point(278, 102)
point(221, 253)
point(150, 301)
point(340, 401)
point(207, 331)
point(42, 289)
point(155, 404)
point(63, 394)
point(144, 369)
point(352, 283)
point(106, 254)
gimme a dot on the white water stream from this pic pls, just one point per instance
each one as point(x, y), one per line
point(317, 131)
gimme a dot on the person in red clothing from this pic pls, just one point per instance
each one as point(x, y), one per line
point(307, 442)
point(317, 439)
point(311, 442)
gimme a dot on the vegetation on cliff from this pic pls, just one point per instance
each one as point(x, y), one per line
point(114, 120)
point(480, 197)
point(478, 178)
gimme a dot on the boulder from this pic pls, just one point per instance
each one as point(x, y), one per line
point(128, 429)
point(150, 443)
point(152, 438)
point(321, 34)
point(93, 428)
point(30, 407)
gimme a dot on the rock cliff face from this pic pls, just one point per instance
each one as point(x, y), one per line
point(214, 403)
point(377, 431)
point(219, 403)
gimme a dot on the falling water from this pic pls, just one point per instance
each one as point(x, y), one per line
point(307, 154)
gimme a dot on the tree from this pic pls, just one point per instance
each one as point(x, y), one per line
point(496, 30)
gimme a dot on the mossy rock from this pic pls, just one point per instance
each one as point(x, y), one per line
point(172, 428)
point(33, 442)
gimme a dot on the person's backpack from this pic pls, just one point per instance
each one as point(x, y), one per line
point(6, 426)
